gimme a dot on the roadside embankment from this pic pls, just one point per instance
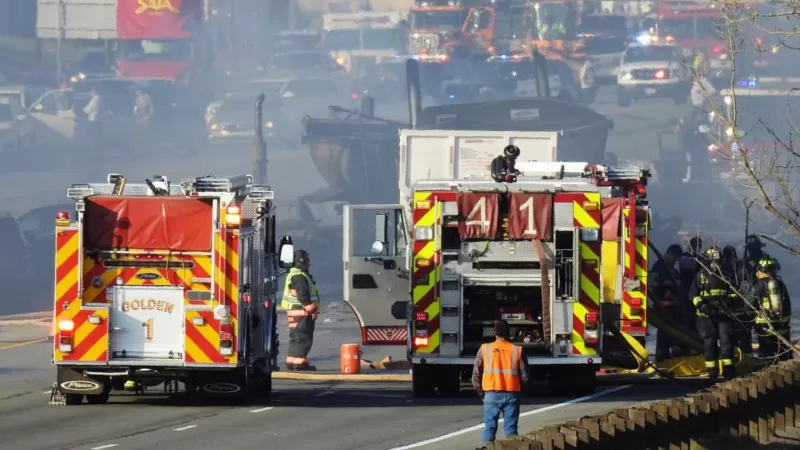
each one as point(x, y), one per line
point(761, 408)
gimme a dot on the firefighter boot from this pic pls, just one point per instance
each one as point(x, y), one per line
point(728, 372)
point(302, 367)
point(713, 371)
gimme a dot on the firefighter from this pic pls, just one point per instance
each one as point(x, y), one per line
point(503, 165)
point(499, 373)
point(700, 65)
point(664, 285)
point(742, 313)
point(711, 294)
point(688, 267)
point(302, 306)
point(774, 311)
point(753, 254)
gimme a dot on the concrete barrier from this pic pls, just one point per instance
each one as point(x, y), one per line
point(752, 408)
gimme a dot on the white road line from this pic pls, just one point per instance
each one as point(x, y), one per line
point(525, 414)
point(187, 427)
point(324, 393)
point(104, 446)
point(262, 409)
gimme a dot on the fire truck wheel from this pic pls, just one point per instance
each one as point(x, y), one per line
point(449, 381)
point(422, 380)
point(73, 399)
point(190, 386)
point(100, 399)
point(261, 385)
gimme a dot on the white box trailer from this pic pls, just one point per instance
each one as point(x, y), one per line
point(76, 19)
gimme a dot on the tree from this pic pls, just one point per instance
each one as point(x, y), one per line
point(750, 118)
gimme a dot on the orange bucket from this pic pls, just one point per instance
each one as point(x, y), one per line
point(350, 359)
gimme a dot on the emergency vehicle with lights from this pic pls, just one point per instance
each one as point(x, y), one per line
point(357, 41)
point(692, 27)
point(561, 253)
point(163, 283)
point(435, 29)
point(651, 71)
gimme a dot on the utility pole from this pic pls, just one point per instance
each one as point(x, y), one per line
point(61, 29)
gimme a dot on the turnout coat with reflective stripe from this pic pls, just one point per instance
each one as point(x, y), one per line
point(501, 363)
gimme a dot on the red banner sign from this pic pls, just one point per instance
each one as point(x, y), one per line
point(479, 214)
point(530, 216)
point(157, 19)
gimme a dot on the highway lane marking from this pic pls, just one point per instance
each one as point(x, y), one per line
point(525, 414)
point(22, 344)
point(104, 446)
point(187, 427)
point(324, 393)
point(262, 409)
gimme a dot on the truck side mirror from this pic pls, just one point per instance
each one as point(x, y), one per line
point(377, 248)
point(381, 224)
point(287, 256)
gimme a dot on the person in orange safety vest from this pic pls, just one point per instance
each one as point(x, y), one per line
point(498, 375)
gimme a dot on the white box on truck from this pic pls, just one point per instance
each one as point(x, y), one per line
point(459, 155)
point(79, 19)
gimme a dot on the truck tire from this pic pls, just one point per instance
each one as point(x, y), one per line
point(73, 399)
point(99, 399)
point(449, 381)
point(422, 380)
point(585, 381)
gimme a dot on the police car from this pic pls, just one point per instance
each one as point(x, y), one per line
point(651, 71)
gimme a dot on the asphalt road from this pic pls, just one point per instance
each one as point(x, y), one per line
point(298, 415)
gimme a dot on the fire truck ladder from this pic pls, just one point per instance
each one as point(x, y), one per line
point(562, 170)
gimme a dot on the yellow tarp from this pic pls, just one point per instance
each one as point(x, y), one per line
point(610, 263)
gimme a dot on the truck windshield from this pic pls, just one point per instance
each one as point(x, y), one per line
point(436, 20)
point(650, 53)
point(155, 50)
point(382, 39)
point(556, 21)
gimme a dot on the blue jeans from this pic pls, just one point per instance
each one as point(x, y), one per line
point(493, 404)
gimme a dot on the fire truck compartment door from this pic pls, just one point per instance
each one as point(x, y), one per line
point(147, 323)
point(502, 280)
point(376, 284)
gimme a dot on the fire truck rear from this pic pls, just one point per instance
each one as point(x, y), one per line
point(561, 254)
point(161, 283)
